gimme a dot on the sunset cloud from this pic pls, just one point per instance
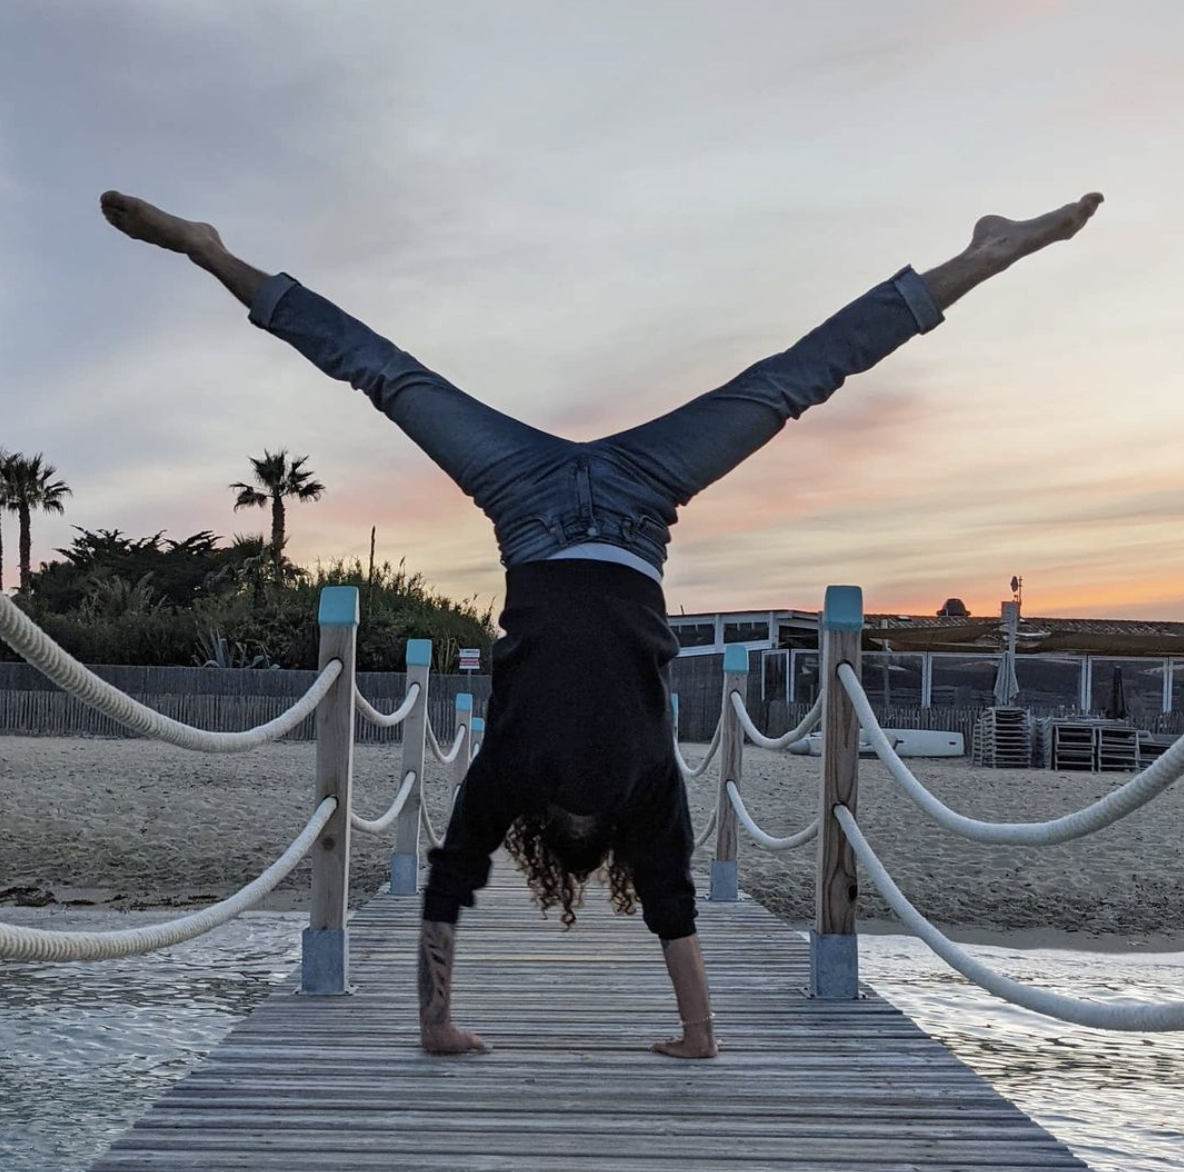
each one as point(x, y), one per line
point(587, 215)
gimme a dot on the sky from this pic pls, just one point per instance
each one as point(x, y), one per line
point(585, 213)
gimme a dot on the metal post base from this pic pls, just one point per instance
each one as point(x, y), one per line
point(834, 966)
point(324, 964)
point(404, 874)
point(725, 883)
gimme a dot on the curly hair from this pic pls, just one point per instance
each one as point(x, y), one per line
point(557, 865)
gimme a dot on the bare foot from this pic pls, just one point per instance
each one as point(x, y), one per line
point(1004, 241)
point(143, 221)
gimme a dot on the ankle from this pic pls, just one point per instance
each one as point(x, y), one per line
point(206, 253)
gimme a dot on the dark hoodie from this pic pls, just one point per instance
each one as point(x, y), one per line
point(579, 718)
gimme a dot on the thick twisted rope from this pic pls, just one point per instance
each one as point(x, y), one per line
point(378, 825)
point(1115, 1015)
point(29, 641)
point(767, 840)
point(1141, 789)
point(438, 753)
point(690, 772)
point(808, 724)
point(399, 715)
point(18, 943)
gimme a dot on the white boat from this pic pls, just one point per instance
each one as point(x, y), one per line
point(908, 742)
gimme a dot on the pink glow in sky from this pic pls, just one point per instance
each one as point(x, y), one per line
point(587, 213)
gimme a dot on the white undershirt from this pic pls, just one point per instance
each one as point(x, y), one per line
point(599, 551)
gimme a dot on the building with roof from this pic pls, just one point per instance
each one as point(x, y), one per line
point(1073, 665)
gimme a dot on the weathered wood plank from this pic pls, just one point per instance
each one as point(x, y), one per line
point(339, 1084)
point(579, 1161)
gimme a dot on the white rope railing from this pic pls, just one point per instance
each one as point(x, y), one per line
point(760, 837)
point(691, 772)
point(387, 720)
point(808, 723)
point(1120, 1015)
point(17, 943)
point(1141, 789)
point(29, 641)
point(378, 825)
point(425, 821)
point(438, 753)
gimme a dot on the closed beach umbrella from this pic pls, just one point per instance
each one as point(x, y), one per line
point(1116, 709)
point(1007, 687)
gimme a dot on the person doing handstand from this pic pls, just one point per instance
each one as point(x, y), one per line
point(577, 772)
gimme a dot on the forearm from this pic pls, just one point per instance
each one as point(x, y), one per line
point(437, 947)
point(684, 963)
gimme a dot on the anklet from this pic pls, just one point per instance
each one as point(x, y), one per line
point(702, 1021)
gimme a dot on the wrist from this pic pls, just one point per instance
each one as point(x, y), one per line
point(700, 1029)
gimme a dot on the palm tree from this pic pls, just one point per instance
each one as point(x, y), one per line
point(4, 459)
point(278, 479)
point(29, 485)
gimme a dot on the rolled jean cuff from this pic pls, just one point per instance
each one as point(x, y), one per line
point(926, 312)
point(270, 294)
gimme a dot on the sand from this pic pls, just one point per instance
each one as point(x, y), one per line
point(132, 824)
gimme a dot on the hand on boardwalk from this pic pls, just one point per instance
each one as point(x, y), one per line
point(447, 1039)
point(682, 1048)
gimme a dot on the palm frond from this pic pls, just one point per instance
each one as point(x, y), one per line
point(249, 497)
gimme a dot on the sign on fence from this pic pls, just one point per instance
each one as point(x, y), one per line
point(470, 659)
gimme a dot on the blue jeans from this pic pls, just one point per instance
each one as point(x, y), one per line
point(543, 493)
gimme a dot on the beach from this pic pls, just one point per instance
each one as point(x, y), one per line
point(129, 824)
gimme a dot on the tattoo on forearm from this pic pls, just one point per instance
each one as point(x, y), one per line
point(436, 945)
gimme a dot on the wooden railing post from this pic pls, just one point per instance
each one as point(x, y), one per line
point(834, 945)
point(464, 726)
point(405, 860)
point(324, 966)
point(725, 883)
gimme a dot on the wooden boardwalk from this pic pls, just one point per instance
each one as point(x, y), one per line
point(339, 1084)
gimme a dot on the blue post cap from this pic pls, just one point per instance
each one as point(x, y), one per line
point(478, 724)
point(674, 704)
point(464, 702)
point(843, 609)
point(735, 659)
point(419, 653)
point(339, 606)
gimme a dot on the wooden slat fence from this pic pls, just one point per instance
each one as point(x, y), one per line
point(224, 700)
point(221, 700)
